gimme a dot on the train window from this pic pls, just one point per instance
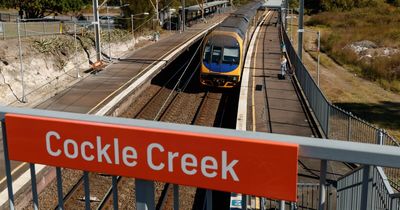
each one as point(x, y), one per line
point(216, 54)
point(207, 53)
point(231, 55)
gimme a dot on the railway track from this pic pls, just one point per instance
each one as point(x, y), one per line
point(173, 96)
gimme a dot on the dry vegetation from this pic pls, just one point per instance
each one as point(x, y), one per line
point(379, 24)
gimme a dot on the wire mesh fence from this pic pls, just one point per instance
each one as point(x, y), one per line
point(380, 195)
point(307, 198)
point(335, 122)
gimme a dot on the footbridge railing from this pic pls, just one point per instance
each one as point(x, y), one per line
point(210, 158)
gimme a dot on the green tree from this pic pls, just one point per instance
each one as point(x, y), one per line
point(38, 8)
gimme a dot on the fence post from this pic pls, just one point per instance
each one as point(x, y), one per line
point(59, 189)
point(144, 195)
point(44, 28)
point(365, 186)
point(176, 197)
point(35, 198)
point(282, 205)
point(379, 134)
point(244, 202)
point(25, 29)
point(350, 116)
point(7, 164)
point(4, 31)
point(115, 192)
point(322, 184)
point(209, 199)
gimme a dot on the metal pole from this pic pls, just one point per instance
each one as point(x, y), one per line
point(349, 127)
point(132, 26)
point(291, 26)
point(380, 137)
point(286, 11)
point(87, 190)
point(322, 185)
point(183, 15)
point(59, 189)
point(364, 190)
point(23, 99)
point(34, 187)
point(97, 29)
point(176, 197)
point(158, 15)
point(262, 201)
point(115, 192)
point(109, 35)
point(301, 30)
point(282, 205)
point(144, 195)
point(319, 49)
point(209, 199)
point(7, 165)
point(76, 53)
point(244, 202)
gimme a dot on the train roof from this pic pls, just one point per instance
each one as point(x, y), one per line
point(239, 20)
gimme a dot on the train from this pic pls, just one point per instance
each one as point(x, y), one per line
point(223, 49)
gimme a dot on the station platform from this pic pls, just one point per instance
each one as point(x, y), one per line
point(93, 92)
point(273, 104)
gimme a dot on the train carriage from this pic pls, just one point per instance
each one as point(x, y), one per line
point(224, 48)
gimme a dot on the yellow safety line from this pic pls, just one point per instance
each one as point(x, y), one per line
point(253, 109)
point(253, 105)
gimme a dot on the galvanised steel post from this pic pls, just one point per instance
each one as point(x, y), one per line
point(34, 187)
point(319, 45)
point(365, 186)
point(322, 184)
point(7, 164)
point(96, 23)
point(115, 192)
point(144, 195)
point(76, 52)
point(23, 99)
point(87, 189)
point(109, 35)
point(286, 11)
point(59, 189)
point(301, 30)
point(380, 137)
point(281, 205)
point(244, 202)
point(176, 197)
point(183, 15)
point(350, 117)
point(209, 199)
point(262, 202)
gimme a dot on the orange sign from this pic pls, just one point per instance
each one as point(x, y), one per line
point(254, 167)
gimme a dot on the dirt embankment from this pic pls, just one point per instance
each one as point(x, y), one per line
point(50, 64)
point(348, 90)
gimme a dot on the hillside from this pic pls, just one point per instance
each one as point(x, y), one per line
point(366, 40)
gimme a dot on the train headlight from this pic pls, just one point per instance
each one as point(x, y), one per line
point(234, 79)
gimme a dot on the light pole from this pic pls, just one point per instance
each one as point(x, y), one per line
point(301, 30)
point(318, 49)
point(96, 23)
point(132, 18)
point(23, 99)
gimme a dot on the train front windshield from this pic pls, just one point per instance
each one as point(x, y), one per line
point(221, 50)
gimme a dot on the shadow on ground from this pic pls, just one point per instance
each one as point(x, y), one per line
point(385, 114)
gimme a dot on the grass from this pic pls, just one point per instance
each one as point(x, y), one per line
point(378, 24)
